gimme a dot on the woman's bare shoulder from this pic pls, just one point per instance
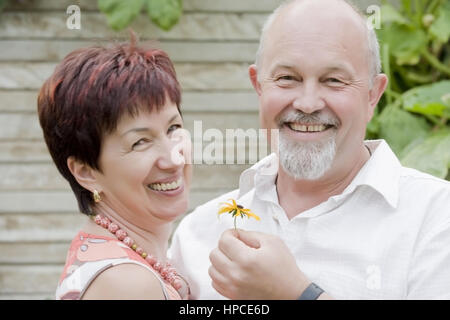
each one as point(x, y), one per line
point(126, 281)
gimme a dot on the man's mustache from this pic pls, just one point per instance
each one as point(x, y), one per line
point(317, 117)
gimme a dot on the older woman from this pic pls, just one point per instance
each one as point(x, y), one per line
point(111, 120)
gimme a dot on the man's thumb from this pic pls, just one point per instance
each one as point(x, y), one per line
point(250, 238)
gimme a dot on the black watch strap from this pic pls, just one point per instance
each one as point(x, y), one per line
point(312, 292)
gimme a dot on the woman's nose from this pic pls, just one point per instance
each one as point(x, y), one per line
point(172, 153)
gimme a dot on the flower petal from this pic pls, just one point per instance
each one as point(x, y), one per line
point(225, 209)
point(251, 214)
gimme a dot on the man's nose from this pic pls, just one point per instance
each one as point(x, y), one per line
point(309, 98)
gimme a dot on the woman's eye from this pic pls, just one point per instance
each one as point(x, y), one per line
point(140, 142)
point(174, 127)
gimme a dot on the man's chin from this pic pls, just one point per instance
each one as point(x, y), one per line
point(306, 160)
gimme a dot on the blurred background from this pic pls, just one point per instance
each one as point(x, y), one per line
point(212, 43)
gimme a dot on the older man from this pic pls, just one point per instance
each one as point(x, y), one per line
point(340, 217)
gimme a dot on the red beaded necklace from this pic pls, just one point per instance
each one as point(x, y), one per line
point(167, 272)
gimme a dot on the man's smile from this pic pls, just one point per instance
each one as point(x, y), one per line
point(308, 127)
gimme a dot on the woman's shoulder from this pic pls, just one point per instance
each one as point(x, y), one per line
point(103, 265)
point(125, 281)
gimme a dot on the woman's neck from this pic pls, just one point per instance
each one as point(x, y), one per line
point(152, 239)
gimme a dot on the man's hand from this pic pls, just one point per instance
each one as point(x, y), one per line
point(255, 265)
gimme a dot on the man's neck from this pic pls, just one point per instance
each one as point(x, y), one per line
point(297, 196)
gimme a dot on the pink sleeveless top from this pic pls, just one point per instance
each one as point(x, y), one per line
point(89, 255)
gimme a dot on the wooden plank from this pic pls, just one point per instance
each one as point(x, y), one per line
point(41, 176)
point(192, 101)
point(192, 26)
point(55, 227)
point(44, 176)
point(28, 202)
point(28, 296)
point(26, 126)
point(18, 101)
point(29, 279)
point(188, 5)
point(179, 51)
point(24, 151)
point(33, 252)
point(20, 126)
point(192, 76)
point(37, 201)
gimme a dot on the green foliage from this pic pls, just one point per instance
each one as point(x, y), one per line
point(414, 112)
point(3, 4)
point(119, 14)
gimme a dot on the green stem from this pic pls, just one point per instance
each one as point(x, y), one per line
point(235, 222)
point(419, 78)
point(418, 8)
point(432, 6)
point(435, 62)
point(435, 120)
point(407, 6)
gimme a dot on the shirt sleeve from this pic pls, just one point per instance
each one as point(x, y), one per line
point(429, 275)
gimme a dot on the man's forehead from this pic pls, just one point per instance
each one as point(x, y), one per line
point(311, 16)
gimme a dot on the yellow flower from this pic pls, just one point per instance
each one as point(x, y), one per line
point(236, 210)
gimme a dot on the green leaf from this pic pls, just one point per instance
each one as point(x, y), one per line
point(3, 4)
point(119, 13)
point(432, 155)
point(440, 28)
point(399, 127)
point(390, 14)
point(405, 43)
point(428, 99)
point(165, 13)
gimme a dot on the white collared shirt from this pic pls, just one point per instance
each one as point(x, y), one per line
point(387, 236)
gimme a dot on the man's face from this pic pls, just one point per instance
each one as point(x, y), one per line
point(314, 87)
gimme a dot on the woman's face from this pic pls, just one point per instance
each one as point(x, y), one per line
point(144, 175)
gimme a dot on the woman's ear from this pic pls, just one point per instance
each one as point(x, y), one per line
point(84, 174)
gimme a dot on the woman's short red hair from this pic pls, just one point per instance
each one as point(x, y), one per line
point(87, 94)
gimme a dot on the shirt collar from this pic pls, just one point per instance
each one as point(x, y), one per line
point(381, 172)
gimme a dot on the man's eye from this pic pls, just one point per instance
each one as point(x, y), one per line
point(285, 78)
point(334, 81)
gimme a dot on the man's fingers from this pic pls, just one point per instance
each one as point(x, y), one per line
point(223, 290)
point(217, 277)
point(220, 261)
point(231, 246)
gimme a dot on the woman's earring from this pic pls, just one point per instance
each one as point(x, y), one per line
point(96, 196)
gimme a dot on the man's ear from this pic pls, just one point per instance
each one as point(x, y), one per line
point(379, 85)
point(253, 74)
point(84, 174)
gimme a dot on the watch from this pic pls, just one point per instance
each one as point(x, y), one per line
point(312, 292)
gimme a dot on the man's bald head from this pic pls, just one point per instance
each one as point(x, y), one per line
point(341, 10)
